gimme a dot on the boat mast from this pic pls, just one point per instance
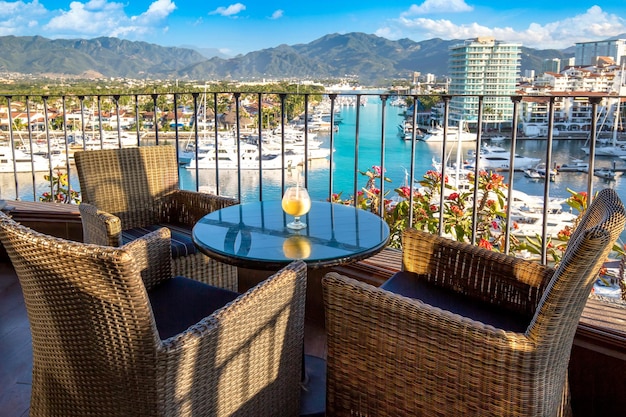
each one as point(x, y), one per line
point(616, 118)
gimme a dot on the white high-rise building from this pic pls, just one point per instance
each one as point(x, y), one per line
point(483, 66)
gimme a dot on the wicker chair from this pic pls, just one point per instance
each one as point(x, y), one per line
point(129, 192)
point(463, 331)
point(115, 335)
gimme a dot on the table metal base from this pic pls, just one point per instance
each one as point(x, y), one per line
point(313, 389)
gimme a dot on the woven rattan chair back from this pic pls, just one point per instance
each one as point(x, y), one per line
point(128, 182)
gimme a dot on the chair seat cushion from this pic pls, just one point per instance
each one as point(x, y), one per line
point(182, 244)
point(410, 285)
point(180, 302)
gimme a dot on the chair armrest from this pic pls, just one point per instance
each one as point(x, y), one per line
point(385, 349)
point(187, 207)
point(153, 256)
point(513, 283)
point(100, 227)
point(247, 353)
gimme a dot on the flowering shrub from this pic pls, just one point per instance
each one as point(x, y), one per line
point(457, 205)
point(458, 213)
point(61, 190)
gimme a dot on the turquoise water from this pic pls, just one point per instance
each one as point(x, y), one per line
point(397, 161)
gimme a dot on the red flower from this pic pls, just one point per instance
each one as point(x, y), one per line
point(405, 191)
point(484, 243)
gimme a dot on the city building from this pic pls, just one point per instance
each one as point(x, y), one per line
point(587, 53)
point(551, 65)
point(483, 66)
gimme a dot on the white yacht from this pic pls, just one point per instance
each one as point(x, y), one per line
point(249, 159)
point(453, 135)
point(24, 162)
point(498, 158)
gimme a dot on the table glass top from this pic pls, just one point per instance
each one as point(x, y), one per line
point(255, 235)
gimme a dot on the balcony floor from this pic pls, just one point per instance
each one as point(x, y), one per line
point(597, 365)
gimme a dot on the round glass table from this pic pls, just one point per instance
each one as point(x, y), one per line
point(255, 238)
point(255, 235)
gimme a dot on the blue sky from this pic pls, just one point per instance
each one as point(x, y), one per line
point(234, 27)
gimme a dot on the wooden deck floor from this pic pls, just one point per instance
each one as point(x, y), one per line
point(15, 347)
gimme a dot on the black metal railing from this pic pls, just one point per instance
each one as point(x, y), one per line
point(153, 114)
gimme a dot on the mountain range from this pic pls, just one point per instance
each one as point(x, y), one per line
point(369, 58)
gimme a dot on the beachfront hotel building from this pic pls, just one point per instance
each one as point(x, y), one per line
point(483, 66)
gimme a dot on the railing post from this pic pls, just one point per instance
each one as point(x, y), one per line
point(444, 161)
point(507, 233)
point(381, 208)
point(411, 178)
point(175, 102)
point(217, 142)
point(194, 97)
point(30, 146)
point(12, 142)
point(477, 169)
point(259, 147)
point(282, 97)
point(137, 127)
point(332, 98)
point(546, 185)
point(116, 99)
point(592, 146)
point(156, 118)
point(356, 150)
point(100, 128)
point(237, 137)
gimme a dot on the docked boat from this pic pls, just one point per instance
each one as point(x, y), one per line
point(17, 160)
point(452, 135)
point(605, 173)
point(540, 173)
point(614, 149)
point(577, 165)
point(405, 131)
point(250, 158)
point(529, 222)
point(498, 158)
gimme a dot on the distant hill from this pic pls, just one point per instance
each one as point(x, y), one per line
point(110, 57)
point(371, 58)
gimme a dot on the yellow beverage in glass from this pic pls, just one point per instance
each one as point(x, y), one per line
point(296, 202)
point(297, 207)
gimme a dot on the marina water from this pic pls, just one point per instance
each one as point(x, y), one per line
point(397, 161)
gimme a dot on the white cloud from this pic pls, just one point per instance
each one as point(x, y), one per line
point(104, 18)
point(438, 6)
point(591, 25)
point(231, 10)
point(16, 15)
point(157, 11)
point(277, 14)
